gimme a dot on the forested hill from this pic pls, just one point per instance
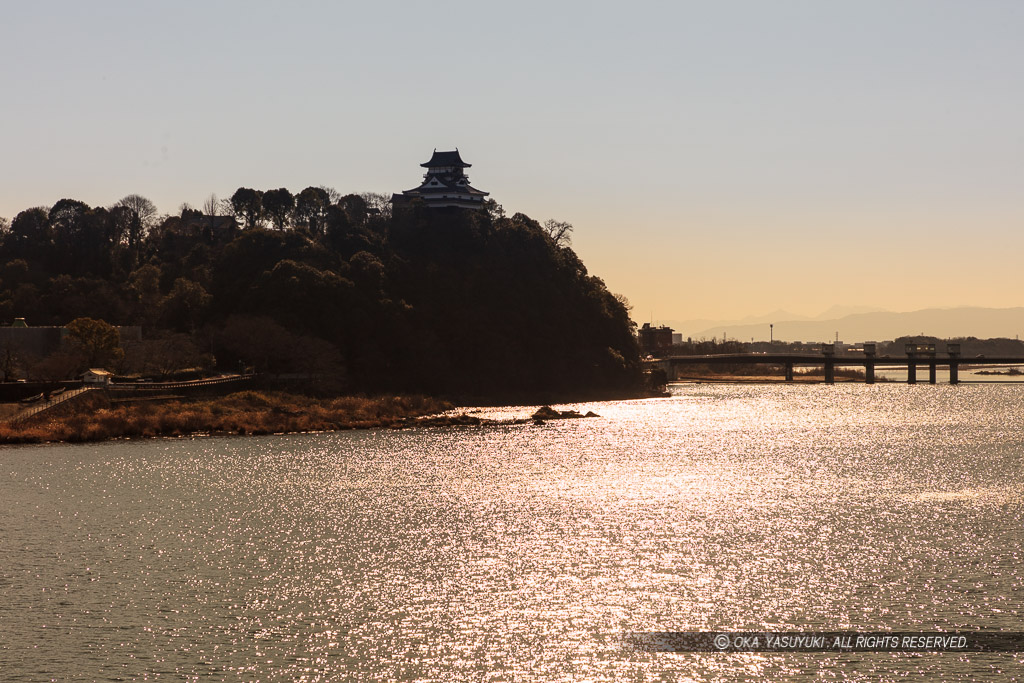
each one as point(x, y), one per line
point(442, 301)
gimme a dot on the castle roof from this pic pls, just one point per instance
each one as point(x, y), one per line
point(446, 159)
point(436, 190)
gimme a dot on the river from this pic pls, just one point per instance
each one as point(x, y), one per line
point(524, 553)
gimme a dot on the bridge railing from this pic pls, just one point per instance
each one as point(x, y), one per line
point(121, 387)
point(166, 386)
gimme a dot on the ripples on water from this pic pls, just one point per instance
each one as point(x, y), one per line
point(524, 552)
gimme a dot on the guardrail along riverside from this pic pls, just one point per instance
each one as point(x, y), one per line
point(126, 390)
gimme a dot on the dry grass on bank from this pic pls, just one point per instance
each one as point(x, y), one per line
point(246, 412)
point(9, 410)
point(841, 374)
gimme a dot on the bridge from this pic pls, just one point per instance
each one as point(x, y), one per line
point(916, 354)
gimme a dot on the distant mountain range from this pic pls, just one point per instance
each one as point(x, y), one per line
point(857, 324)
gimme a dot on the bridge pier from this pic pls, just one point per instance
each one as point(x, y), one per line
point(669, 369)
point(789, 372)
point(911, 364)
point(869, 364)
point(829, 352)
point(953, 350)
point(931, 372)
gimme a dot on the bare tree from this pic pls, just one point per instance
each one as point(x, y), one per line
point(145, 209)
point(560, 231)
point(211, 206)
point(165, 355)
point(332, 195)
point(381, 203)
point(10, 359)
point(61, 364)
point(226, 208)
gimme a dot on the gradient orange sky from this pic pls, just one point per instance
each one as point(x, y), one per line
point(718, 160)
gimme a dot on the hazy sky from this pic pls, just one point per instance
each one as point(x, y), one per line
point(718, 159)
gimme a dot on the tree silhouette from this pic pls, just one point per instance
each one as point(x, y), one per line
point(278, 206)
point(311, 207)
point(96, 342)
point(143, 208)
point(248, 204)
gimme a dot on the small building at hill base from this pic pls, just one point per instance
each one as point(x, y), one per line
point(445, 184)
point(96, 376)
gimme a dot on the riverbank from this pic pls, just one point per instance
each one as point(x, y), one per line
point(246, 412)
point(95, 418)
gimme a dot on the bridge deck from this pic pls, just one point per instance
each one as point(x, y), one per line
point(819, 359)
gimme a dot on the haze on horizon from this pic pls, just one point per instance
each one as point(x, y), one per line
point(718, 160)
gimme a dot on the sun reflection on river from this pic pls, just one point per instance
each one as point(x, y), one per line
point(524, 552)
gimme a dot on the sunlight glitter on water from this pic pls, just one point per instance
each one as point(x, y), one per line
point(523, 552)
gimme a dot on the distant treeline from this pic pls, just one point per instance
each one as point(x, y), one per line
point(342, 288)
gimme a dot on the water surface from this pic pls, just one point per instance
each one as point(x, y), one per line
point(522, 552)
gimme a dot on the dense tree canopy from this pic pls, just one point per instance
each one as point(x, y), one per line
point(248, 206)
point(472, 303)
point(96, 341)
point(278, 206)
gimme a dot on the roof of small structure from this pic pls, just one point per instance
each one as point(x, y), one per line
point(446, 159)
point(97, 371)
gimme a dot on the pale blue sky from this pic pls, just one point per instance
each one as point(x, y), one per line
point(718, 159)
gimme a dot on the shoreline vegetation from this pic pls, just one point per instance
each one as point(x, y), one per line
point(1011, 372)
point(247, 413)
point(241, 413)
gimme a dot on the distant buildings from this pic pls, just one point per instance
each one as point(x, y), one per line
point(654, 340)
point(445, 184)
